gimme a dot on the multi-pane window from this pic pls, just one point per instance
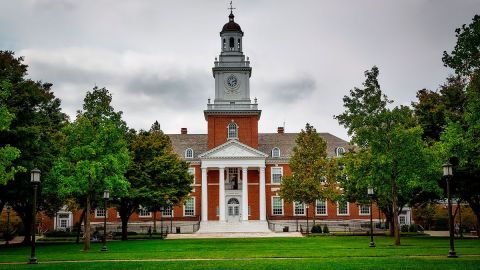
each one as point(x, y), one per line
point(189, 207)
point(99, 212)
point(340, 151)
point(277, 205)
point(276, 152)
point(342, 208)
point(402, 220)
point(167, 211)
point(364, 209)
point(189, 153)
point(143, 212)
point(63, 223)
point(299, 208)
point(191, 170)
point(277, 173)
point(321, 207)
point(232, 131)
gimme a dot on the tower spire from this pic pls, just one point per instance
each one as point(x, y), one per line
point(231, 16)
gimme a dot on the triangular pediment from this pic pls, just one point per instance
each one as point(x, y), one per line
point(233, 149)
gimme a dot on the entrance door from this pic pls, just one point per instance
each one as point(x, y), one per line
point(233, 210)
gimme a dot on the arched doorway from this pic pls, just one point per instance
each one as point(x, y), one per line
point(233, 210)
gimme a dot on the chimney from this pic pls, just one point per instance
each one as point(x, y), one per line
point(280, 130)
point(183, 131)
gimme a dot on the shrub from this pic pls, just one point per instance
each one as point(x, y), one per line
point(404, 228)
point(128, 233)
point(325, 229)
point(317, 229)
point(60, 234)
point(413, 228)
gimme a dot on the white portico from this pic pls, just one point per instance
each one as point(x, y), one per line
point(233, 160)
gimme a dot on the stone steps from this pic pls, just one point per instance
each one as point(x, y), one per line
point(234, 227)
point(233, 235)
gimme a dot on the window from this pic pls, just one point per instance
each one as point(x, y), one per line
point(191, 171)
point(143, 212)
point(224, 44)
point(238, 44)
point(277, 173)
point(100, 213)
point(189, 207)
point(340, 151)
point(276, 152)
point(277, 206)
point(321, 207)
point(63, 223)
point(402, 220)
point(232, 43)
point(232, 131)
point(299, 209)
point(167, 211)
point(189, 153)
point(342, 209)
point(364, 209)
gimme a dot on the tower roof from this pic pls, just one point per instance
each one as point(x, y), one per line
point(231, 25)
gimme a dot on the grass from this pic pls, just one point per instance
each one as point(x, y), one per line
point(329, 252)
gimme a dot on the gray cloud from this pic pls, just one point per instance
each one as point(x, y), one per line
point(289, 91)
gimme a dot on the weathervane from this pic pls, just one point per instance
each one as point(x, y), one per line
point(231, 8)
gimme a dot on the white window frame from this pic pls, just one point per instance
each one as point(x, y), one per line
point(271, 175)
point(140, 209)
point(170, 208)
point(278, 152)
point(273, 207)
point(189, 151)
point(192, 171)
point(337, 152)
point(236, 130)
point(316, 208)
point(96, 213)
point(295, 204)
point(185, 207)
point(400, 217)
point(360, 213)
point(348, 209)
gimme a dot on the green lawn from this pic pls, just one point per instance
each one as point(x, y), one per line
point(341, 252)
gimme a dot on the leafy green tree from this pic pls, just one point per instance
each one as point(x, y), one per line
point(34, 131)
point(314, 176)
point(464, 58)
point(391, 155)
point(7, 153)
point(96, 156)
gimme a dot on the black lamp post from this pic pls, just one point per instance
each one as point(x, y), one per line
point(370, 194)
point(106, 196)
point(7, 235)
point(162, 210)
point(35, 180)
point(447, 172)
point(306, 207)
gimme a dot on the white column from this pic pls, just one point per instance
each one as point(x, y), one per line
point(244, 193)
point(263, 208)
point(221, 201)
point(204, 195)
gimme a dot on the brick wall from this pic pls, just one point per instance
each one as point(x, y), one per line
point(247, 130)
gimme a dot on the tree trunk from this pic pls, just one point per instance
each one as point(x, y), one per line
point(155, 222)
point(79, 227)
point(125, 227)
point(86, 235)
point(395, 214)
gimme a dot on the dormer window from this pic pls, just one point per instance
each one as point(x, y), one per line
point(189, 153)
point(276, 152)
point(232, 131)
point(340, 151)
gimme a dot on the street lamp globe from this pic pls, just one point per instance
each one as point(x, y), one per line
point(35, 176)
point(106, 194)
point(447, 169)
point(370, 191)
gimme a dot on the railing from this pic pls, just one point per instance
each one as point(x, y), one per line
point(232, 106)
point(299, 224)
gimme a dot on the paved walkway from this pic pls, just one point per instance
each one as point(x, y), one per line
point(447, 234)
point(233, 235)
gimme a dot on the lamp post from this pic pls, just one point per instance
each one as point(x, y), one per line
point(306, 206)
point(447, 172)
point(370, 194)
point(106, 196)
point(35, 180)
point(162, 209)
point(7, 235)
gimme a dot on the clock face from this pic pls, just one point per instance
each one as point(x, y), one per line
point(232, 82)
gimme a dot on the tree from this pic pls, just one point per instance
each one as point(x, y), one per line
point(96, 156)
point(33, 131)
point(314, 176)
point(464, 58)
point(391, 155)
point(7, 153)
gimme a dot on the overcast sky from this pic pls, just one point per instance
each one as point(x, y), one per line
point(156, 56)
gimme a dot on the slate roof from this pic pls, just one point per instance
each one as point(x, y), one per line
point(266, 142)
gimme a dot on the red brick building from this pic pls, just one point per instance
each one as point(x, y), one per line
point(238, 170)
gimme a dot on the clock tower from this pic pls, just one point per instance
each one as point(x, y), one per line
point(232, 103)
